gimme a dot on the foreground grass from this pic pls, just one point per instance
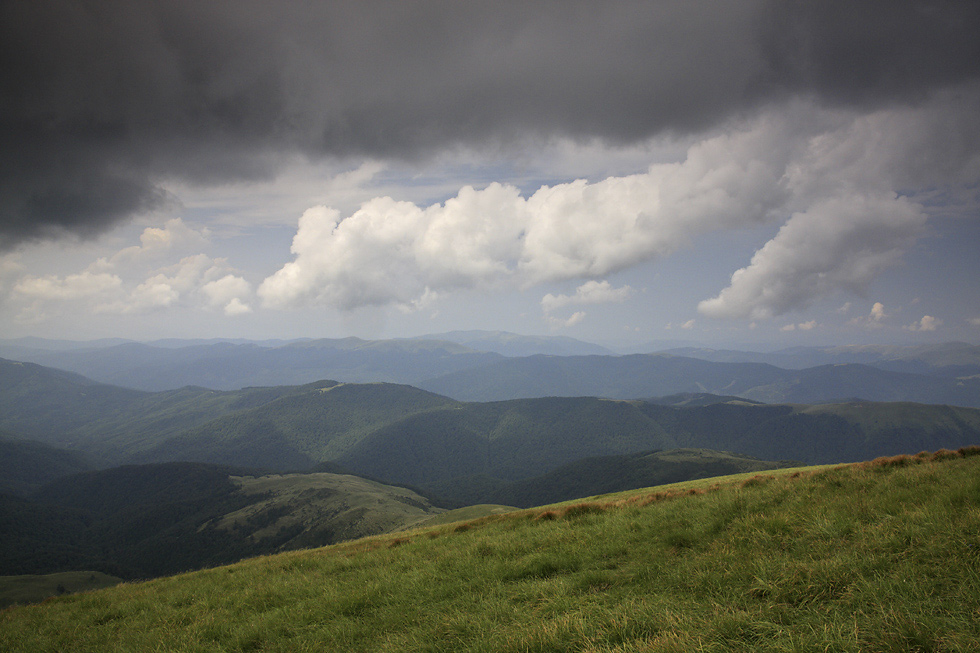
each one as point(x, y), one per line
point(881, 557)
point(33, 588)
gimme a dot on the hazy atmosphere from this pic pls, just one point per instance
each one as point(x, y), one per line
point(723, 173)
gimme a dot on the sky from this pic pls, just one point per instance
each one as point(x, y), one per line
point(745, 173)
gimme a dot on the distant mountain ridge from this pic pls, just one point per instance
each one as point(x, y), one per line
point(514, 345)
point(230, 366)
point(654, 375)
point(493, 365)
point(405, 435)
point(948, 359)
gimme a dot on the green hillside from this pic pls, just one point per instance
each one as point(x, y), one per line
point(149, 520)
point(867, 557)
point(314, 423)
point(462, 451)
point(507, 440)
point(44, 404)
point(110, 424)
point(605, 474)
point(26, 465)
point(825, 433)
point(31, 589)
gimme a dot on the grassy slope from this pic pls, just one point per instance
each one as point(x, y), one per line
point(323, 507)
point(605, 474)
point(30, 589)
point(882, 557)
point(145, 521)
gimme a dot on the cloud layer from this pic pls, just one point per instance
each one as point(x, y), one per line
point(848, 189)
point(133, 281)
point(103, 103)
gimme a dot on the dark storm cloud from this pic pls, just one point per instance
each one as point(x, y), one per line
point(102, 101)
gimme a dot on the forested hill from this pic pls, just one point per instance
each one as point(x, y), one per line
point(401, 434)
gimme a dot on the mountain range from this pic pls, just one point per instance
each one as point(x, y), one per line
point(176, 479)
point(402, 434)
point(490, 366)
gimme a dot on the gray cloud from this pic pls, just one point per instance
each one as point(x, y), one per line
point(103, 101)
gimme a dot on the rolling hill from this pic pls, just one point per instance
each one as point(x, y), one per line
point(868, 557)
point(149, 520)
point(308, 425)
point(404, 435)
point(602, 475)
point(477, 447)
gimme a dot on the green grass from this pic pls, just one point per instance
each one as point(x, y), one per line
point(33, 588)
point(466, 514)
point(867, 557)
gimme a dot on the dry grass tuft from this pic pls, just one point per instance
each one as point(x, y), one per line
point(901, 460)
point(945, 454)
point(972, 450)
point(755, 481)
point(582, 509)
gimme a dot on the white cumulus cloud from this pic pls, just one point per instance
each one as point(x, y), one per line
point(926, 323)
point(590, 292)
point(155, 242)
point(873, 319)
point(842, 183)
point(571, 320)
point(842, 243)
point(229, 293)
point(82, 285)
point(191, 281)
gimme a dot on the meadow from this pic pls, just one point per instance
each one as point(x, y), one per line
point(881, 556)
